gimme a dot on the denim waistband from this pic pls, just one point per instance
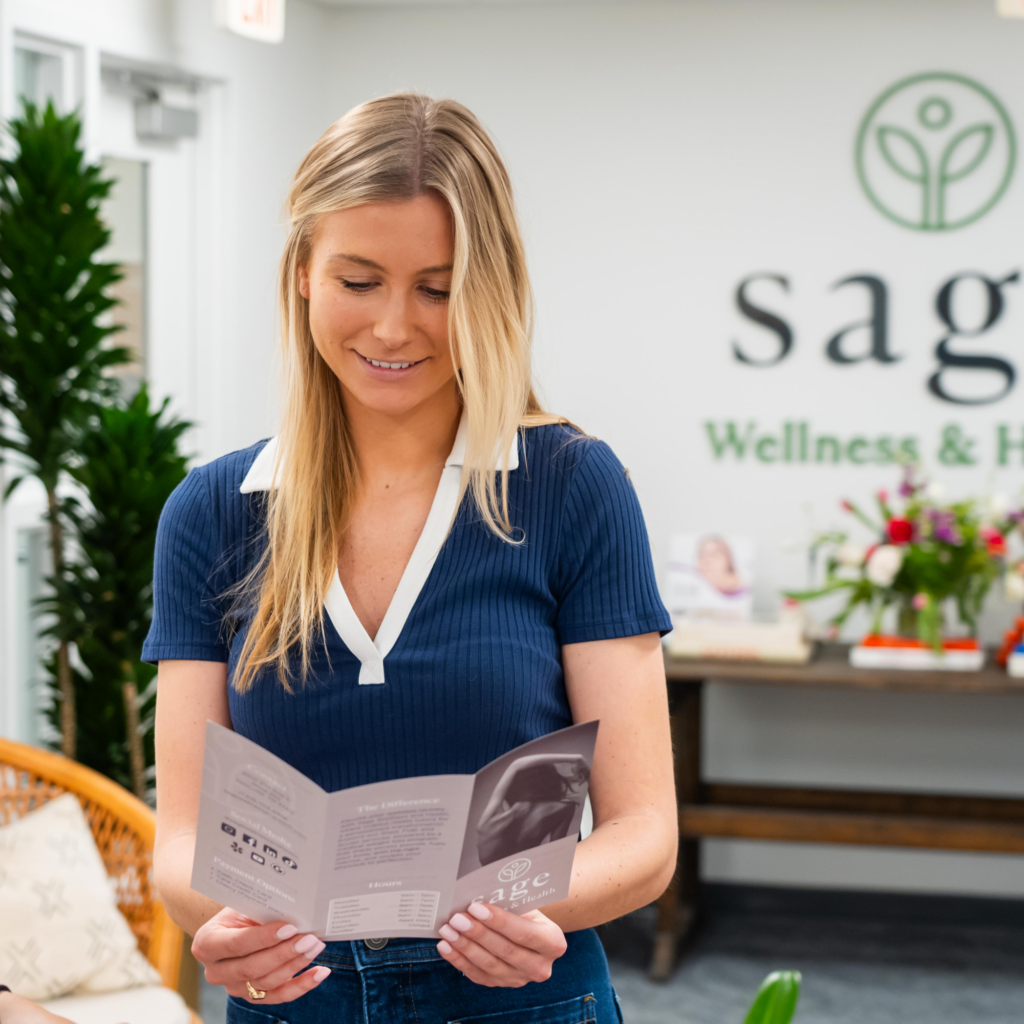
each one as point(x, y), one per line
point(357, 956)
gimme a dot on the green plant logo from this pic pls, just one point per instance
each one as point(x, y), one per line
point(935, 152)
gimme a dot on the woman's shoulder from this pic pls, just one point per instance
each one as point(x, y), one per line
point(563, 448)
point(215, 487)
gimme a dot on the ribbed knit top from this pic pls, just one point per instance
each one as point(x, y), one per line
point(477, 668)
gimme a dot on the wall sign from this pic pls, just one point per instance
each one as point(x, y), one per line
point(935, 152)
point(262, 20)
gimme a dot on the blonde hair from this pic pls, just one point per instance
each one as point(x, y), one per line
point(390, 149)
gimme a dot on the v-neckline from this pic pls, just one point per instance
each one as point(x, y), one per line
point(371, 653)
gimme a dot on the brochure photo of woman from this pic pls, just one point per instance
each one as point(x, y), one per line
point(535, 803)
point(527, 801)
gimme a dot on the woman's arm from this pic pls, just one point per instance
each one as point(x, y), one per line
point(234, 949)
point(188, 693)
point(630, 857)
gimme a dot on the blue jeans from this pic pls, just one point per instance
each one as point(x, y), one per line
point(407, 981)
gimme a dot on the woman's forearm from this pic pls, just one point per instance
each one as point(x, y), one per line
point(625, 863)
point(172, 871)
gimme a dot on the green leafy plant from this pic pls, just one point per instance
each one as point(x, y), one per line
point(776, 999)
point(53, 343)
point(128, 464)
point(923, 555)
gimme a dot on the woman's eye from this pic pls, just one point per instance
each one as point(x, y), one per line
point(358, 286)
point(436, 294)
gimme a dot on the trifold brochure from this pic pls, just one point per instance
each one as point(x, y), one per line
point(393, 858)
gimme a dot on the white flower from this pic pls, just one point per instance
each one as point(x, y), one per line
point(851, 555)
point(935, 491)
point(999, 505)
point(884, 564)
point(1014, 586)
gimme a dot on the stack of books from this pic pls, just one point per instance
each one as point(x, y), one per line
point(782, 641)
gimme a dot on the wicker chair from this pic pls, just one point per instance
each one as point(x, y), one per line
point(124, 829)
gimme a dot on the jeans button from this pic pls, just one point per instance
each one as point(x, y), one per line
point(375, 944)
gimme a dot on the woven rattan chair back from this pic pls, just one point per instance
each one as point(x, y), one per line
point(124, 829)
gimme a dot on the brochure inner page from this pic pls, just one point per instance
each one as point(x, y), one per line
point(389, 857)
point(260, 831)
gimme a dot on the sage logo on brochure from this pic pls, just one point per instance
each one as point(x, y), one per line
point(935, 151)
point(514, 869)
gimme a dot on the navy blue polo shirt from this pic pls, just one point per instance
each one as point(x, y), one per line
point(471, 666)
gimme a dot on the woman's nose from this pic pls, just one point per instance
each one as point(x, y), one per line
point(394, 327)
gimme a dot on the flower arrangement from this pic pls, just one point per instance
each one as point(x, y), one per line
point(925, 554)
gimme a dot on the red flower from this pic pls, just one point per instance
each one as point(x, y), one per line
point(845, 505)
point(901, 531)
point(994, 541)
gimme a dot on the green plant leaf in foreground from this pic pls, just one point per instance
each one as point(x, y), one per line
point(776, 999)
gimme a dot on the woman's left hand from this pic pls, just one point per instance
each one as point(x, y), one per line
point(495, 948)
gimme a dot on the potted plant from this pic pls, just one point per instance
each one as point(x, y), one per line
point(776, 999)
point(925, 557)
point(54, 348)
point(128, 464)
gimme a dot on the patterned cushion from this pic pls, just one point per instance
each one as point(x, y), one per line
point(62, 931)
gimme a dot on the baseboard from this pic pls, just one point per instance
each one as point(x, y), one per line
point(925, 908)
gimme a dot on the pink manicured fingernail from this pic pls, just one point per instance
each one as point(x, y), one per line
point(461, 922)
point(479, 911)
point(306, 943)
point(287, 931)
point(444, 948)
point(319, 973)
point(449, 933)
point(315, 951)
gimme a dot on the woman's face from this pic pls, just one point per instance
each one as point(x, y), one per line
point(377, 282)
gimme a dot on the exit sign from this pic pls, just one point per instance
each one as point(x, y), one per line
point(255, 19)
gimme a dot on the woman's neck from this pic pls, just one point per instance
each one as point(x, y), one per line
point(390, 448)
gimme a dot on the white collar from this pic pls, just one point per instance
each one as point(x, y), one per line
point(260, 476)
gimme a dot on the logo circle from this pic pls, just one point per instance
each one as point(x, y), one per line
point(514, 869)
point(935, 151)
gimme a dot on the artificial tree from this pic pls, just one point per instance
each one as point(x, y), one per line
point(53, 335)
point(128, 464)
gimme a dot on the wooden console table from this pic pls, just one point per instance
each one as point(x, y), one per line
point(708, 809)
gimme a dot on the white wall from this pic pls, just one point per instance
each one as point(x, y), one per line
point(660, 153)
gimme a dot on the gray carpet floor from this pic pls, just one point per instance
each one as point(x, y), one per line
point(854, 971)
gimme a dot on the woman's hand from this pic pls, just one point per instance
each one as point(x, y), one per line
point(498, 949)
point(236, 950)
point(18, 1010)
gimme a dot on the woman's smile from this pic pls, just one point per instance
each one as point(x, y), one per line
point(389, 370)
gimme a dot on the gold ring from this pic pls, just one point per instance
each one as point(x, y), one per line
point(255, 993)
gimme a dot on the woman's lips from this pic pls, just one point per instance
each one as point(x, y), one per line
point(389, 369)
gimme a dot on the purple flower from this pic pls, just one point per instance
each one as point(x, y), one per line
point(907, 486)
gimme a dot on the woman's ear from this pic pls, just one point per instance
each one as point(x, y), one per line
point(304, 282)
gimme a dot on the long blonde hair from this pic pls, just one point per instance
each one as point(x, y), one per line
point(390, 149)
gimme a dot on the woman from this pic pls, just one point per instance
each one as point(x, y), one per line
point(420, 572)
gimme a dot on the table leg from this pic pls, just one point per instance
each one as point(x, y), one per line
point(677, 906)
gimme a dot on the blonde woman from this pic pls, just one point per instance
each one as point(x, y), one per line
point(420, 572)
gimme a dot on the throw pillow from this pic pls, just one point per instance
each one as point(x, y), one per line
point(60, 929)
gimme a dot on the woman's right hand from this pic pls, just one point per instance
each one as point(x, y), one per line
point(235, 949)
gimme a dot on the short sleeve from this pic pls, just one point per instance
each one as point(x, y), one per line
point(188, 579)
point(607, 586)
